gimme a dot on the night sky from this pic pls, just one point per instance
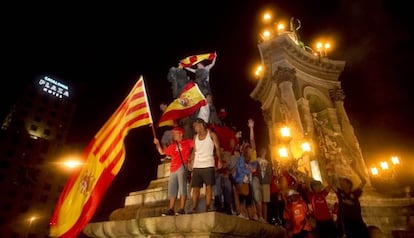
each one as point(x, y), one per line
point(102, 50)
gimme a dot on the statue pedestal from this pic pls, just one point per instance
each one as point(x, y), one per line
point(141, 217)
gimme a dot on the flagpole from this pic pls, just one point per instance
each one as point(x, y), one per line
point(149, 108)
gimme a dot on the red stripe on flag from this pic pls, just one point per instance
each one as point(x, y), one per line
point(120, 135)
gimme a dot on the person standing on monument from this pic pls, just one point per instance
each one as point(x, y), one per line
point(202, 79)
point(350, 220)
point(203, 162)
point(179, 151)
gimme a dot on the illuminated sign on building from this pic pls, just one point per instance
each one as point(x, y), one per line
point(54, 87)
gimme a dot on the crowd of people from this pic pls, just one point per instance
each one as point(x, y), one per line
point(241, 182)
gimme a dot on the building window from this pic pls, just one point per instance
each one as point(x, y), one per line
point(33, 127)
point(47, 132)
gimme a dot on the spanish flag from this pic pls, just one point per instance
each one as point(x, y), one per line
point(102, 161)
point(194, 59)
point(190, 100)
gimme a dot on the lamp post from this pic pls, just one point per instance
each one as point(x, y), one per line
point(31, 220)
point(387, 170)
point(293, 158)
point(322, 48)
point(384, 174)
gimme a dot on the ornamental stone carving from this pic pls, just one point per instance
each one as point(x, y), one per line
point(284, 74)
point(337, 94)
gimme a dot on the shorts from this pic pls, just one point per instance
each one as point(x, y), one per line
point(266, 192)
point(177, 183)
point(203, 176)
point(257, 190)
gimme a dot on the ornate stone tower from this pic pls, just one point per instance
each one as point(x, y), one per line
point(301, 90)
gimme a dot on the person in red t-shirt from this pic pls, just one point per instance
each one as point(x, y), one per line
point(325, 225)
point(179, 151)
point(295, 213)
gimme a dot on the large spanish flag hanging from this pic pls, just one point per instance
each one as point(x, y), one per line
point(190, 100)
point(194, 59)
point(103, 159)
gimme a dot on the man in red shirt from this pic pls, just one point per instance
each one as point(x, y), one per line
point(179, 151)
point(325, 224)
point(295, 213)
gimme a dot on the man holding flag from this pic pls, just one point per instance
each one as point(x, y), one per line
point(103, 158)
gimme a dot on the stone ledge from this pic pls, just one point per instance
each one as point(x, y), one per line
point(208, 224)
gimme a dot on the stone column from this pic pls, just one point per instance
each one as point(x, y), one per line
point(337, 95)
point(285, 78)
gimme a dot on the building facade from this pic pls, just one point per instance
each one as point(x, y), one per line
point(32, 138)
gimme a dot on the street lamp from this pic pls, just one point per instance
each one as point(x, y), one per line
point(323, 48)
point(384, 174)
point(31, 220)
point(297, 158)
point(387, 170)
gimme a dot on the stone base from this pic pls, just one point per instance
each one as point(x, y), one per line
point(387, 213)
point(207, 224)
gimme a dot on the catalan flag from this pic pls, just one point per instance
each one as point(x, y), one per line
point(194, 59)
point(190, 100)
point(103, 159)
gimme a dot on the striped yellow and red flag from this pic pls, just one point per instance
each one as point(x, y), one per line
point(194, 59)
point(189, 101)
point(103, 158)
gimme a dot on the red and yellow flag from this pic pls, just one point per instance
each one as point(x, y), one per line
point(103, 159)
point(194, 59)
point(190, 100)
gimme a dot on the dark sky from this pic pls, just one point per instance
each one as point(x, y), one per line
point(101, 50)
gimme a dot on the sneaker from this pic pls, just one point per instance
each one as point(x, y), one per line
point(169, 212)
point(261, 220)
point(180, 212)
point(242, 216)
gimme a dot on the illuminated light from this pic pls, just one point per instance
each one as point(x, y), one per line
point(395, 160)
point(72, 163)
point(285, 131)
point(267, 17)
point(384, 165)
point(318, 45)
point(323, 48)
point(283, 152)
point(280, 27)
point(374, 171)
point(54, 87)
point(306, 147)
point(266, 35)
point(259, 70)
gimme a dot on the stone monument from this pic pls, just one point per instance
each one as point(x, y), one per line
point(301, 90)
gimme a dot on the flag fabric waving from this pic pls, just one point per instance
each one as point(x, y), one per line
point(194, 59)
point(103, 158)
point(190, 100)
